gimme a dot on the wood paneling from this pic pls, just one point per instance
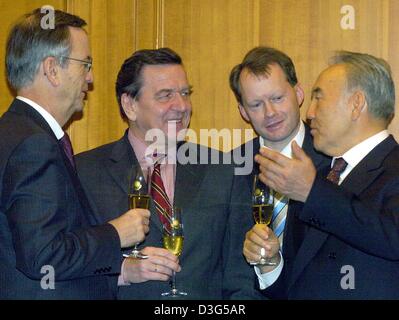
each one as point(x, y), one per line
point(211, 36)
point(111, 28)
point(310, 31)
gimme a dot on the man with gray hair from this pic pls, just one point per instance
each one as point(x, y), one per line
point(347, 239)
point(48, 248)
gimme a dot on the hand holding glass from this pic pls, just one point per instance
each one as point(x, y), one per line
point(173, 241)
point(262, 210)
point(138, 198)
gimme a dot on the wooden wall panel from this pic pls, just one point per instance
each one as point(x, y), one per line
point(111, 27)
point(310, 31)
point(212, 37)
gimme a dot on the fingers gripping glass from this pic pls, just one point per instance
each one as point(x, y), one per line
point(138, 198)
point(87, 63)
point(262, 210)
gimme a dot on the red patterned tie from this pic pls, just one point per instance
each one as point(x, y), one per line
point(338, 167)
point(67, 146)
point(159, 196)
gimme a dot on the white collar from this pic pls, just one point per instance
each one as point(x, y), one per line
point(287, 150)
point(55, 127)
point(357, 153)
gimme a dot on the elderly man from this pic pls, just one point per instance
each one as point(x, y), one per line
point(48, 250)
point(348, 239)
point(154, 96)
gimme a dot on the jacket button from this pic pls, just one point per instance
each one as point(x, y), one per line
point(332, 255)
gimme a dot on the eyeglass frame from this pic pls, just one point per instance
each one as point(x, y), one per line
point(87, 63)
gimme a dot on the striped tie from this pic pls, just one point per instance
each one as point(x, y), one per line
point(158, 194)
point(279, 216)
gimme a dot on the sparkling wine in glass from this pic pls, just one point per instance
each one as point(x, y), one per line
point(262, 210)
point(138, 198)
point(173, 239)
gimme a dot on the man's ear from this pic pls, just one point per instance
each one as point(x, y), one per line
point(243, 112)
point(357, 103)
point(129, 106)
point(51, 70)
point(300, 94)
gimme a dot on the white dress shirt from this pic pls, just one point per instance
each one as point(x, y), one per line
point(357, 153)
point(55, 127)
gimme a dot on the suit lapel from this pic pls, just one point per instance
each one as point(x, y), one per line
point(188, 179)
point(24, 109)
point(312, 239)
point(121, 166)
point(364, 174)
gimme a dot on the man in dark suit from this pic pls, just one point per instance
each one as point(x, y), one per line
point(48, 249)
point(349, 247)
point(269, 97)
point(154, 96)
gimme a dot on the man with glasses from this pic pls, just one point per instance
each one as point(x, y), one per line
point(48, 248)
point(87, 63)
point(154, 97)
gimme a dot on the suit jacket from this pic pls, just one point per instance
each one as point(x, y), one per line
point(351, 247)
point(44, 220)
point(212, 263)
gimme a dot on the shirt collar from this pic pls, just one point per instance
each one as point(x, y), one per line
point(55, 127)
point(144, 154)
point(357, 153)
point(287, 150)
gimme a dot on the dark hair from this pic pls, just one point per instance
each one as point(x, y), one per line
point(257, 61)
point(29, 43)
point(129, 78)
point(373, 76)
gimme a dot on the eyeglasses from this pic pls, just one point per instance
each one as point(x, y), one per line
point(168, 95)
point(86, 63)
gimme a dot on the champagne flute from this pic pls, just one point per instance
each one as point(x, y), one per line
point(262, 210)
point(138, 198)
point(173, 241)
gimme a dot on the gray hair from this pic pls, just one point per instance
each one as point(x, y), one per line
point(29, 44)
point(373, 76)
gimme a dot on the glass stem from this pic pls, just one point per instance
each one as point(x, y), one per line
point(173, 282)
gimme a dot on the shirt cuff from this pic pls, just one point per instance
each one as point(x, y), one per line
point(268, 278)
point(121, 278)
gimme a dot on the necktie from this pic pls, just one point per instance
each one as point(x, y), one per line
point(338, 167)
point(158, 194)
point(279, 216)
point(67, 146)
